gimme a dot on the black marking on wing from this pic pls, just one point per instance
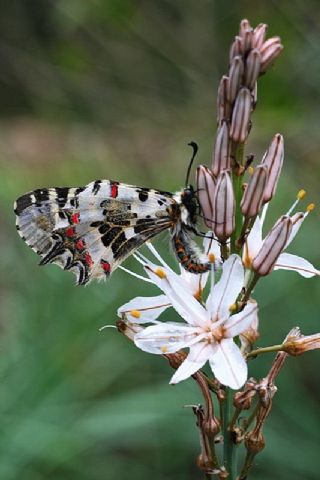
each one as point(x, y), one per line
point(96, 187)
point(62, 196)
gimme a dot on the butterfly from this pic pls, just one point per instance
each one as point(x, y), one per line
point(91, 230)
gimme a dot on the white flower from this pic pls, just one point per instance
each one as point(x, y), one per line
point(285, 261)
point(147, 309)
point(208, 331)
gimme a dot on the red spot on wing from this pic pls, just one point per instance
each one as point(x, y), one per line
point(70, 232)
point(80, 244)
point(105, 266)
point(114, 190)
point(75, 218)
point(88, 259)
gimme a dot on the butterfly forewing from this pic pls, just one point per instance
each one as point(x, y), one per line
point(91, 230)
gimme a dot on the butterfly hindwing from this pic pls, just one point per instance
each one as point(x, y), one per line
point(91, 230)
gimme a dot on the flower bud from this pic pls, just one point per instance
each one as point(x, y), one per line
point(224, 207)
point(246, 33)
point(272, 246)
point(221, 156)
point(303, 344)
point(241, 116)
point(253, 195)
point(273, 159)
point(259, 34)
point(222, 104)
point(236, 48)
point(270, 50)
point(235, 78)
point(206, 188)
point(252, 69)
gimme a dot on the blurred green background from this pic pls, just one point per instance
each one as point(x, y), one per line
point(116, 89)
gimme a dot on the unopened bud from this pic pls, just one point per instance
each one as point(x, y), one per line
point(222, 103)
point(221, 155)
point(272, 246)
point(252, 69)
point(235, 78)
point(273, 159)
point(270, 50)
point(236, 48)
point(241, 116)
point(206, 188)
point(224, 207)
point(246, 33)
point(303, 344)
point(253, 195)
point(259, 34)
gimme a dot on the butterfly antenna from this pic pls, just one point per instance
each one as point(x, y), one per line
point(195, 150)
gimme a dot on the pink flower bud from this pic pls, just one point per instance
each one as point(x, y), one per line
point(273, 159)
point(252, 69)
point(244, 26)
point(259, 34)
point(235, 78)
point(269, 51)
point(221, 155)
point(253, 195)
point(222, 104)
point(206, 188)
point(272, 246)
point(224, 207)
point(241, 116)
point(246, 33)
point(236, 48)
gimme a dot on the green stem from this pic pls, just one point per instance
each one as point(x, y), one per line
point(229, 448)
point(259, 351)
point(237, 185)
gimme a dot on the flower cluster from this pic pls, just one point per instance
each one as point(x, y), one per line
point(234, 210)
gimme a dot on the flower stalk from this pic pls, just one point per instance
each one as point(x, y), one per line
point(222, 327)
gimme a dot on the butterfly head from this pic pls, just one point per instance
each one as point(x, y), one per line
point(190, 202)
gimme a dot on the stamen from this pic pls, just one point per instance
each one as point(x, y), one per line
point(310, 207)
point(233, 308)
point(135, 313)
point(250, 170)
point(135, 274)
point(300, 196)
point(164, 348)
point(161, 273)
point(211, 257)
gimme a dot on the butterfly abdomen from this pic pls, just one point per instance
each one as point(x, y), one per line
point(187, 253)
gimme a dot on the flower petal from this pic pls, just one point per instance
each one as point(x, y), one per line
point(297, 219)
point(287, 261)
point(198, 355)
point(240, 322)
point(228, 364)
point(166, 338)
point(225, 292)
point(178, 293)
point(195, 282)
point(144, 309)
point(253, 243)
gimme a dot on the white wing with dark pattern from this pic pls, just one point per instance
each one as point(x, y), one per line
point(91, 230)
